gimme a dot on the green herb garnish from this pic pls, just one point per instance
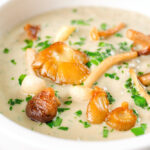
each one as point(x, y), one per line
point(110, 98)
point(81, 42)
point(6, 51)
point(140, 73)
point(74, 10)
point(124, 46)
point(80, 22)
point(78, 113)
point(63, 128)
point(12, 102)
point(138, 100)
point(29, 44)
point(105, 132)
point(85, 124)
point(68, 102)
point(118, 35)
point(103, 26)
point(112, 76)
point(28, 98)
point(13, 61)
point(43, 45)
point(60, 110)
point(139, 130)
point(21, 78)
point(55, 123)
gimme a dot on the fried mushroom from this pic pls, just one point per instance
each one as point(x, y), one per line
point(43, 106)
point(121, 118)
point(97, 109)
point(61, 64)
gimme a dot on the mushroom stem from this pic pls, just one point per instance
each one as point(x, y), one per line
point(106, 64)
point(139, 87)
point(32, 84)
point(64, 33)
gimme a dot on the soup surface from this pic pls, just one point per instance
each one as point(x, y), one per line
point(12, 65)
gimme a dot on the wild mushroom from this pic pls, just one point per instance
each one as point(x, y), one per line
point(145, 79)
point(95, 34)
point(64, 33)
point(138, 86)
point(121, 118)
point(43, 106)
point(97, 108)
point(32, 84)
point(61, 64)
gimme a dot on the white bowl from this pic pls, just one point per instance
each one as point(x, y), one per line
point(13, 136)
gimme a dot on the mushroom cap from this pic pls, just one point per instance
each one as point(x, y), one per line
point(61, 64)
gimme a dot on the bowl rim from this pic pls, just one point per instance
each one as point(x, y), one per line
point(44, 141)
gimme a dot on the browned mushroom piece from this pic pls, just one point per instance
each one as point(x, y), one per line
point(145, 79)
point(121, 118)
point(95, 34)
point(43, 106)
point(32, 31)
point(62, 64)
point(97, 109)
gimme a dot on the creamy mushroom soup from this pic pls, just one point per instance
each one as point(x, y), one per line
point(71, 121)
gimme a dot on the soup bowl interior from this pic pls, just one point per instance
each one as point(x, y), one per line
point(13, 12)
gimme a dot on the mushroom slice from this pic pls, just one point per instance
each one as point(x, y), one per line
point(138, 38)
point(97, 109)
point(138, 86)
point(106, 64)
point(95, 34)
point(145, 79)
point(61, 64)
point(43, 106)
point(121, 118)
point(32, 31)
point(64, 33)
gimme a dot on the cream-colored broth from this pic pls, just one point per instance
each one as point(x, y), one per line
point(50, 23)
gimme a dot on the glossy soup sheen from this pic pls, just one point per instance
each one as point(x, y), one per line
point(12, 65)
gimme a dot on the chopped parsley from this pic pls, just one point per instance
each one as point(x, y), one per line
point(12, 102)
point(68, 102)
point(55, 123)
point(21, 78)
point(103, 26)
point(12, 78)
point(6, 51)
point(13, 61)
point(43, 45)
point(74, 10)
point(118, 35)
point(85, 124)
point(95, 83)
point(28, 98)
point(140, 73)
point(138, 100)
point(124, 46)
point(110, 98)
point(60, 110)
point(78, 113)
point(97, 57)
point(63, 128)
point(139, 130)
point(29, 44)
point(69, 97)
point(81, 42)
point(81, 22)
point(112, 76)
point(105, 132)
point(48, 37)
